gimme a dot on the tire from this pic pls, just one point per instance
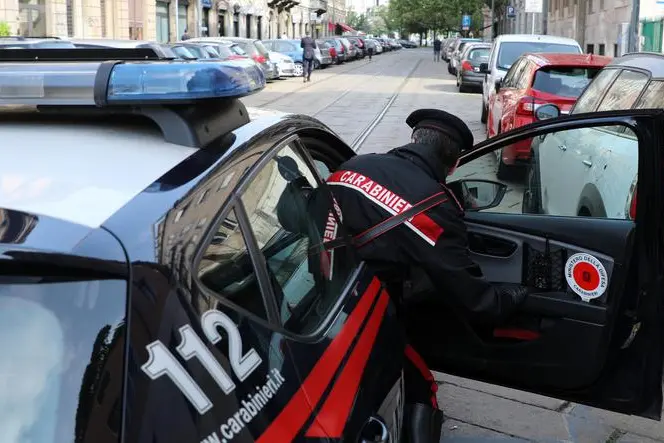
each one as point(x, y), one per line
point(299, 69)
point(485, 113)
point(532, 203)
point(462, 87)
point(449, 69)
point(316, 64)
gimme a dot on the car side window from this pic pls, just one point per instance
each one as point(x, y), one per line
point(594, 92)
point(290, 217)
point(523, 79)
point(624, 92)
point(512, 75)
point(600, 167)
point(653, 96)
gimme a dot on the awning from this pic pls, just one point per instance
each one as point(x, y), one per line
point(346, 28)
point(330, 26)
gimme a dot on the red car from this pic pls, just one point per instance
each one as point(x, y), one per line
point(534, 80)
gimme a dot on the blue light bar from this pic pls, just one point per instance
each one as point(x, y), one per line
point(135, 83)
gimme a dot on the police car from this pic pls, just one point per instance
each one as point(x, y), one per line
point(152, 293)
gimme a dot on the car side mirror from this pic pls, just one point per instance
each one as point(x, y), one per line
point(546, 112)
point(477, 195)
point(499, 84)
point(484, 68)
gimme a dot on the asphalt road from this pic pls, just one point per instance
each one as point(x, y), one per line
point(366, 102)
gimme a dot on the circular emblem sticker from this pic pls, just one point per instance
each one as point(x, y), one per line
point(586, 276)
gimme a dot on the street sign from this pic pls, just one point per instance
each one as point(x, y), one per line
point(511, 12)
point(534, 6)
point(465, 22)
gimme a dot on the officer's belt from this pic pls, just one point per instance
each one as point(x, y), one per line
point(388, 224)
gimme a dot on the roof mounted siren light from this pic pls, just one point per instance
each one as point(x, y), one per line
point(124, 83)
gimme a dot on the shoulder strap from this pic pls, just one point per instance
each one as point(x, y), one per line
point(389, 223)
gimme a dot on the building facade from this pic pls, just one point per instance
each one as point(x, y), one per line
point(600, 26)
point(167, 20)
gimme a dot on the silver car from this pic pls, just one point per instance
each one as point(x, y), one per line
point(322, 55)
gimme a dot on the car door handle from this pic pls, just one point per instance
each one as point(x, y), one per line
point(374, 431)
point(588, 163)
point(562, 147)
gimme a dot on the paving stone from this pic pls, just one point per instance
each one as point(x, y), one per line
point(518, 419)
point(632, 438)
point(512, 394)
point(458, 432)
point(633, 425)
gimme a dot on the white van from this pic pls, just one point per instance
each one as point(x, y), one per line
point(507, 48)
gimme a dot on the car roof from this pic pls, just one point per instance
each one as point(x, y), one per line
point(558, 59)
point(85, 182)
point(648, 61)
point(535, 38)
point(119, 43)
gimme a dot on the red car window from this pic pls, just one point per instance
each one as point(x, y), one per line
point(564, 81)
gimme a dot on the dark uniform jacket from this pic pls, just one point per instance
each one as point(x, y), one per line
point(308, 45)
point(370, 188)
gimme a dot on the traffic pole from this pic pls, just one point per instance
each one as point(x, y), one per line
point(493, 5)
point(633, 37)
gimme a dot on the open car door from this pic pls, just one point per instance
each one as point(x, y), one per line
point(567, 226)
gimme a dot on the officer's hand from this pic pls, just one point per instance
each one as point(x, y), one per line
point(516, 293)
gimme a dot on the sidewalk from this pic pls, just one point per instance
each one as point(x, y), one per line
point(478, 412)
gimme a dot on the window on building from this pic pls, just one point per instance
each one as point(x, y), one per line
point(590, 6)
point(70, 18)
point(221, 23)
point(163, 18)
point(601, 5)
point(590, 49)
point(601, 50)
point(247, 25)
point(236, 25)
point(565, 3)
point(615, 50)
point(135, 13)
point(182, 17)
point(31, 15)
point(259, 27)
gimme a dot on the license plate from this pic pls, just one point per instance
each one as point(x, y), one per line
point(476, 69)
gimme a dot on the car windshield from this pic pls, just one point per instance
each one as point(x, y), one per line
point(510, 51)
point(183, 52)
point(214, 52)
point(61, 347)
point(198, 51)
point(479, 55)
point(237, 50)
point(564, 81)
point(260, 47)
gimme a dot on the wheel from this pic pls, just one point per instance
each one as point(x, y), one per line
point(316, 64)
point(532, 203)
point(462, 87)
point(485, 112)
point(457, 79)
point(449, 69)
point(299, 69)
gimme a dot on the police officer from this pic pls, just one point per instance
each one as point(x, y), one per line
point(370, 188)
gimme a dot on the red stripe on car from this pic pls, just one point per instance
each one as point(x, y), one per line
point(334, 414)
point(293, 416)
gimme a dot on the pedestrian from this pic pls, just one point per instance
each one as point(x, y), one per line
point(436, 49)
point(185, 36)
point(433, 244)
point(308, 46)
point(371, 47)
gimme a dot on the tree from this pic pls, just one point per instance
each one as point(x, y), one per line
point(359, 22)
point(5, 30)
point(422, 16)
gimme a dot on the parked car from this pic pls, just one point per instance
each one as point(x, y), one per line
point(468, 73)
point(386, 45)
point(379, 46)
point(408, 43)
point(184, 52)
point(291, 48)
point(224, 50)
point(285, 64)
point(161, 49)
point(200, 51)
point(535, 80)
point(20, 42)
point(322, 59)
point(601, 162)
point(507, 48)
point(252, 47)
point(456, 53)
point(359, 44)
point(339, 49)
point(327, 50)
point(448, 48)
point(351, 50)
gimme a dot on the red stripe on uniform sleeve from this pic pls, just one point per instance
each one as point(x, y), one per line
point(332, 418)
point(293, 416)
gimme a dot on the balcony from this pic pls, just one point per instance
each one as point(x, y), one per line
point(319, 6)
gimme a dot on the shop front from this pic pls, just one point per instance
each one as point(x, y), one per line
point(206, 6)
point(163, 21)
point(183, 14)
